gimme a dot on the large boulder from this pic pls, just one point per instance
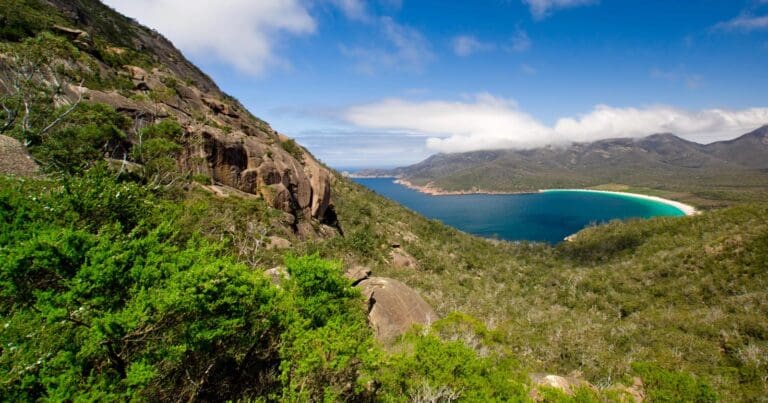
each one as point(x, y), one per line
point(394, 307)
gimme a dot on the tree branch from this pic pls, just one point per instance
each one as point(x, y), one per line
point(10, 118)
point(63, 116)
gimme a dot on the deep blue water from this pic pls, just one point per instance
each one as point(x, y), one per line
point(546, 216)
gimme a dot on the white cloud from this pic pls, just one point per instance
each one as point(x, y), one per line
point(702, 126)
point(488, 122)
point(405, 49)
point(241, 33)
point(483, 123)
point(542, 8)
point(467, 45)
point(528, 69)
point(744, 22)
point(520, 42)
point(353, 9)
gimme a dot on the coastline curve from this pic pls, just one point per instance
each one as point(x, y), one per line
point(686, 209)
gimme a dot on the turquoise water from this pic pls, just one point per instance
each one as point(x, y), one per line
point(547, 216)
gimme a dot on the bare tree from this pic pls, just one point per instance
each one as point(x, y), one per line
point(428, 394)
point(30, 86)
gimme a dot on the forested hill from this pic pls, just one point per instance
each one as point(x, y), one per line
point(661, 161)
point(160, 243)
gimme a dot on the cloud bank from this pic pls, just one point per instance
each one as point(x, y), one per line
point(488, 122)
point(242, 33)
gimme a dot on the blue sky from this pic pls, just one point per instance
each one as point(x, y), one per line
point(389, 82)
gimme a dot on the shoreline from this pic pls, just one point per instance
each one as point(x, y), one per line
point(686, 209)
point(434, 191)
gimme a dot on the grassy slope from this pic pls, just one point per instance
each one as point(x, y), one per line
point(686, 293)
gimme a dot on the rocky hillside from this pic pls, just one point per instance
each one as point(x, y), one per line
point(99, 56)
point(749, 150)
point(165, 245)
point(660, 161)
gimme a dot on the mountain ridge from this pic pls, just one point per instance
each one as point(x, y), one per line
point(662, 160)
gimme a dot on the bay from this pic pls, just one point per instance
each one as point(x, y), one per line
point(543, 217)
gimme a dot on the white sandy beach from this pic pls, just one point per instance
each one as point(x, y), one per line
point(434, 191)
point(685, 208)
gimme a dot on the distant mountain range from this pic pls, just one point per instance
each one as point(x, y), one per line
point(662, 161)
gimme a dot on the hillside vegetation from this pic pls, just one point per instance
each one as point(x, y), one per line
point(134, 277)
point(712, 175)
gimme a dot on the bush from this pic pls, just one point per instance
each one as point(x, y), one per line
point(667, 386)
point(86, 136)
point(328, 352)
point(158, 150)
point(430, 369)
point(102, 300)
point(20, 19)
point(292, 148)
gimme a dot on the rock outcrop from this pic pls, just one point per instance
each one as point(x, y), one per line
point(394, 307)
point(570, 384)
point(402, 259)
point(255, 166)
point(357, 274)
point(566, 384)
point(14, 159)
point(233, 149)
point(222, 140)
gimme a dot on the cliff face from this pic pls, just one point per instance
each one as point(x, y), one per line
point(223, 141)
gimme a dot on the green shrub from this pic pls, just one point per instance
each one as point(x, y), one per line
point(430, 369)
point(667, 386)
point(167, 129)
point(292, 148)
point(103, 300)
point(86, 136)
point(158, 150)
point(118, 57)
point(20, 19)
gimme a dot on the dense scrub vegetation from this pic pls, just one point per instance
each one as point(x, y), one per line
point(115, 285)
point(121, 279)
point(105, 296)
point(685, 294)
point(20, 19)
point(109, 293)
